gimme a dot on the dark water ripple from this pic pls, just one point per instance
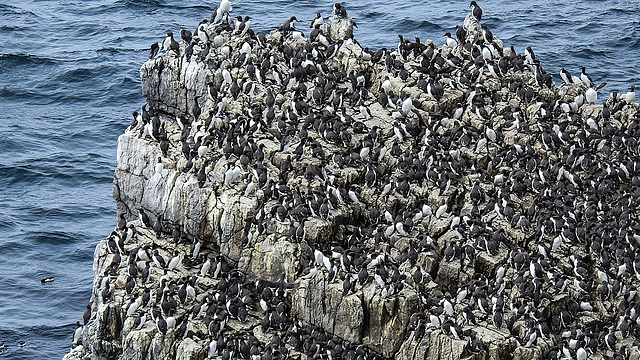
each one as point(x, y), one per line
point(69, 79)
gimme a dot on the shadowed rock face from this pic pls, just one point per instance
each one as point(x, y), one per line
point(285, 196)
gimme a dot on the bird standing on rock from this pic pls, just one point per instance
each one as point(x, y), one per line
point(451, 42)
point(586, 79)
point(529, 55)
point(77, 334)
point(161, 324)
point(87, 314)
point(186, 35)
point(159, 260)
point(242, 25)
point(153, 51)
point(170, 43)
point(144, 218)
point(340, 10)
point(316, 22)
point(591, 95)
point(288, 25)
point(566, 76)
point(477, 10)
point(461, 34)
point(630, 97)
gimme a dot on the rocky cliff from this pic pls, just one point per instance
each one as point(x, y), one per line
point(283, 196)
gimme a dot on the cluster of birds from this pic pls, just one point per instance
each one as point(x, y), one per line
point(196, 293)
point(450, 153)
point(3, 346)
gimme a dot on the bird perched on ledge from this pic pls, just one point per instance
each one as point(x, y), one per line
point(477, 10)
point(316, 22)
point(566, 76)
point(153, 51)
point(591, 94)
point(586, 79)
point(339, 10)
point(170, 43)
point(451, 42)
point(288, 25)
point(221, 14)
point(242, 25)
point(341, 24)
point(630, 97)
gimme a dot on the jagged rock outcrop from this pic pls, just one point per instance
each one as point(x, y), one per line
point(285, 196)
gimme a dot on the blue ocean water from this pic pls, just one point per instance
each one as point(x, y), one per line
point(69, 81)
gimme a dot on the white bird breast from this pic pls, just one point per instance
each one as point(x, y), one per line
point(225, 5)
point(218, 40)
point(591, 96)
point(407, 105)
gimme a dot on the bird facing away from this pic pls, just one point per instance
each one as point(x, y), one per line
point(477, 10)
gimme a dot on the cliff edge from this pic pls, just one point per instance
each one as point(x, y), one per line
point(285, 196)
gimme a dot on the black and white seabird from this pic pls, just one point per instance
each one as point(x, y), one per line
point(316, 22)
point(566, 76)
point(161, 324)
point(144, 218)
point(170, 43)
point(477, 11)
point(153, 51)
point(86, 316)
point(158, 259)
point(77, 334)
point(289, 25)
point(186, 36)
point(529, 55)
point(450, 42)
point(585, 78)
point(339, 10)
point(630, 97)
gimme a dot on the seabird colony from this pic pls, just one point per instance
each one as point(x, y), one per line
point(433, 196)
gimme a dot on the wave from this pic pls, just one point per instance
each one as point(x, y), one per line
point(9, 62)
point(77, 75)
point(43, 342)
point(53, 237)
point(40, 98)
point(13, 10)
point(39, 172)
point(140, 4)
point(409, 25)
point(12, 28)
